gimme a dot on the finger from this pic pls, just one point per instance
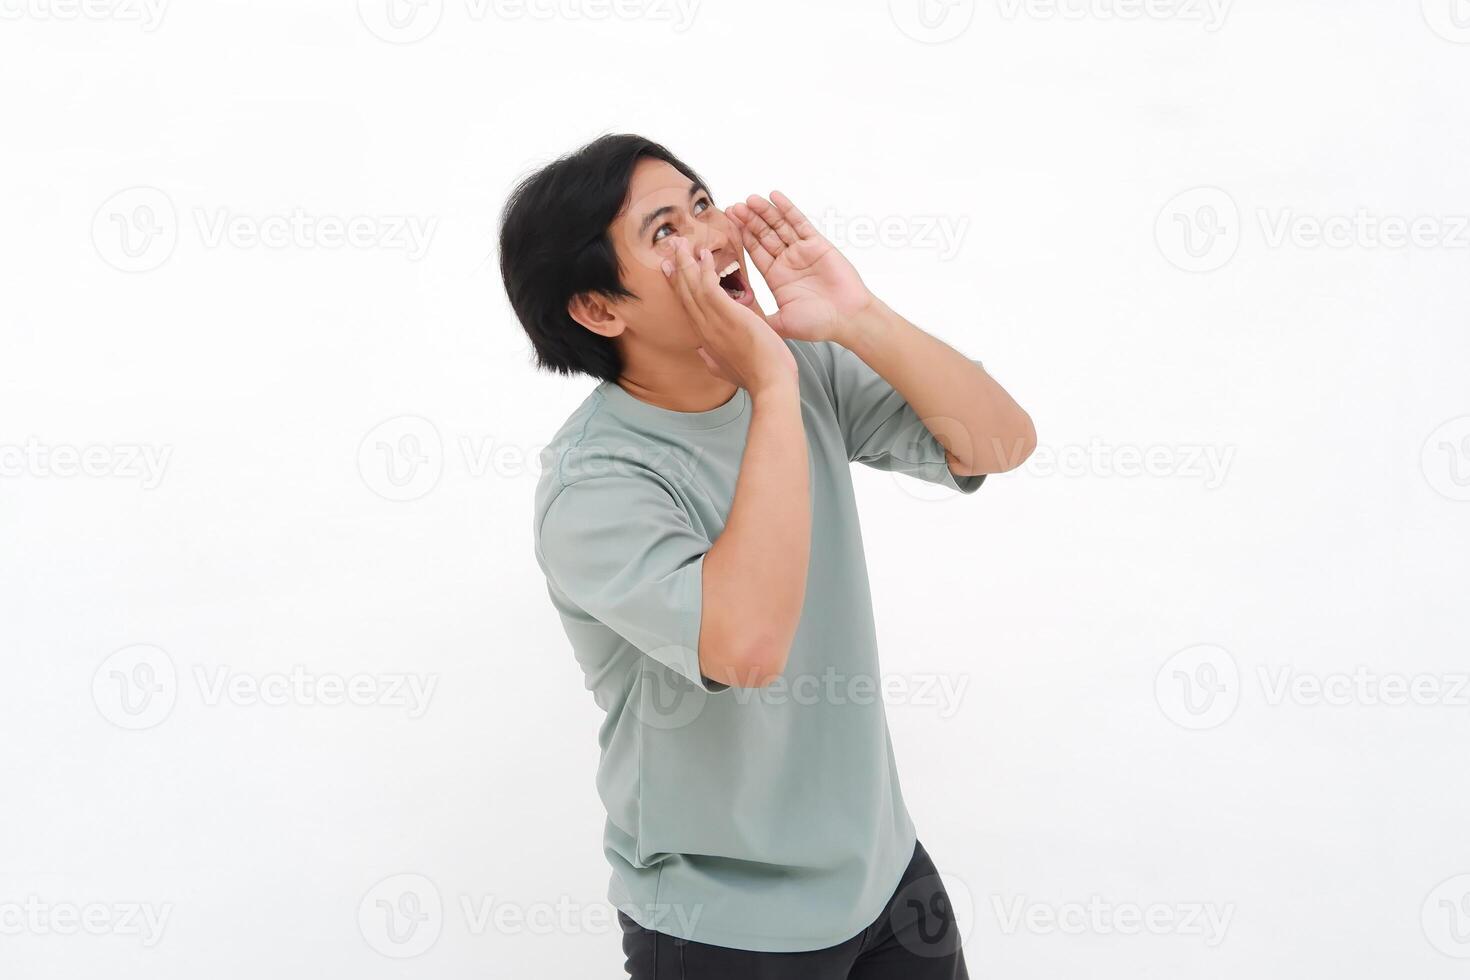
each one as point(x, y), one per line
point(709, 280)
point(683, 276)
point(772, 216)
point(804, 228)
point(761, 228)
point(753, 247)
point(715, 366)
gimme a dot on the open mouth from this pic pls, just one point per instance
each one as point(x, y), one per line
point(732, 281)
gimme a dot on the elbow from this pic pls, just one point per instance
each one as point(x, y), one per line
point(1022, 441)
point(1007, 450)
point(758, 662)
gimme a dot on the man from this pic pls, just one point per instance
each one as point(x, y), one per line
point(698, 531)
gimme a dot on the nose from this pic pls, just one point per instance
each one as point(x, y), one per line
point(717, 236)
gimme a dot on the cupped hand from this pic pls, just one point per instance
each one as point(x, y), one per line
point(817, 291)
point(739, 345)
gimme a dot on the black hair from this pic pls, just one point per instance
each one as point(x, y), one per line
point(554, 245)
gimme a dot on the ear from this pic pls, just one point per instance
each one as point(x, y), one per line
point(594, 313)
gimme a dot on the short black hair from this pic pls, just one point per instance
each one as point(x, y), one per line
point(554, 245)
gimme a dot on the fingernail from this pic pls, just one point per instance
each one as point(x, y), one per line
point(668, 267)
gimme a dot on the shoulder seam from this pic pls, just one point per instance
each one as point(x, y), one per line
point(577, 440)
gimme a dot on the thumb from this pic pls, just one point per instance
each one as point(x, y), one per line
point(709, 362)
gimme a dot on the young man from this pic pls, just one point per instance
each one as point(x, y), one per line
point(697, 527)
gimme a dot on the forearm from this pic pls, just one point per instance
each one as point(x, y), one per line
point(978, 423)
point(755, 572)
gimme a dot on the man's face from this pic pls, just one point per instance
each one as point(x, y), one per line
point(664, 204)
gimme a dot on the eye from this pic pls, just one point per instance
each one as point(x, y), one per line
point(702, 205)
point(663, 231)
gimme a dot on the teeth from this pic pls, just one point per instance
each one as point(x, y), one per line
point(729, 269)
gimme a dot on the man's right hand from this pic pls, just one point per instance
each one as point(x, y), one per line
point(739, 345)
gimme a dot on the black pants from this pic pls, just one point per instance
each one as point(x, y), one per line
point(915, 938)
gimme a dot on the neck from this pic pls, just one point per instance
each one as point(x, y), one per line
point(678, 381)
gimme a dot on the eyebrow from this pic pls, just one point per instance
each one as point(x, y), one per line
point(652, 216)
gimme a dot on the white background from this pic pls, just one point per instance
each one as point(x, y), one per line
point(343, 440)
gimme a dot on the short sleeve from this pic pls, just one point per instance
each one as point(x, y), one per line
point(621, 549)
point(880, 428)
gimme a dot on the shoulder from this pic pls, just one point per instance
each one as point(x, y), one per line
point(599, 457)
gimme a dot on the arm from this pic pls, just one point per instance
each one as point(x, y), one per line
point(754, 578)
point(980, 426)
point(821, 297)
point(755, 572)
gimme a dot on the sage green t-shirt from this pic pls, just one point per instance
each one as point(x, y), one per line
point(756, 818)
